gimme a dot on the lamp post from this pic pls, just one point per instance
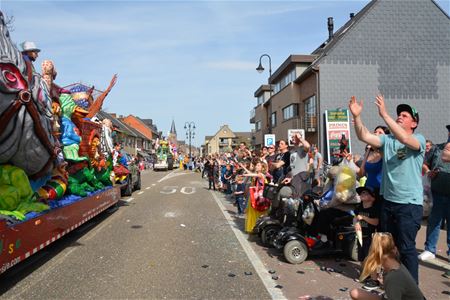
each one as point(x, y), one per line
point(260, 69)
point(190, 134)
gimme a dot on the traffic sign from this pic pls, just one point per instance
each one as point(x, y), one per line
point(269, 140)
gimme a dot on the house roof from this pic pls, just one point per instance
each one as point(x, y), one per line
point(292, 59)
point(326, 46)
point(263, 88)
point(116, 123)
point(135, 131)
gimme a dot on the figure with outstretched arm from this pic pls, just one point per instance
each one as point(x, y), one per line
point(401, 184)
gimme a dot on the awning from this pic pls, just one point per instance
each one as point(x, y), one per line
point(143, 154)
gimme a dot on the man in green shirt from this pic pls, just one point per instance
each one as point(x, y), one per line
point(401, 186)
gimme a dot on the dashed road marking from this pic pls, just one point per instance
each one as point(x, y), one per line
point(147, 188)
point(140, 193)
point(129, 199)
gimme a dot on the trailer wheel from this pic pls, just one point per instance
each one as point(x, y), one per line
point(295, 252)
point(137, 186)
point(128, 188)
point(268, 234)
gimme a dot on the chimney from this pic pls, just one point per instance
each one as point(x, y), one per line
point(330, 28)
point(352, 15)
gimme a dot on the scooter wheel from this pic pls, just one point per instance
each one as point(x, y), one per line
point(295, 252)
point(268, 234)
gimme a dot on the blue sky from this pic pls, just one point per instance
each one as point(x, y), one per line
point(182, 60)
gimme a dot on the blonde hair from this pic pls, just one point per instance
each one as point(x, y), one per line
point(382, 247)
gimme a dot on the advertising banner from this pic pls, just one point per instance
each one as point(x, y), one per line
point(337, 124)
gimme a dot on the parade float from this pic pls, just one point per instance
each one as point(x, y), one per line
point(55, 162)
point(164, 156)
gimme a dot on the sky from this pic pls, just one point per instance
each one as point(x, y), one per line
point(187, 61)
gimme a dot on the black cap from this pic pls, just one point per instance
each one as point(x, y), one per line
point(411, 110)
point(369, 189)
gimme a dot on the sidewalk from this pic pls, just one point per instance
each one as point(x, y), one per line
point(307, 280)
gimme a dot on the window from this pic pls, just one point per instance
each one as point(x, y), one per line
point(290, 111)
point(310, 112)
point(258, 126)
point(273, 119)
point(288, 78)
point(260, 99)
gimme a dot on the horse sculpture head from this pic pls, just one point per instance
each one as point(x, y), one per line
point(25, 112)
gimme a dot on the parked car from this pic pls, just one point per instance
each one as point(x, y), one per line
point(133, 182)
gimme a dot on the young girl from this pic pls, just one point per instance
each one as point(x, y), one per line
point(258, 180)
point(398, 282)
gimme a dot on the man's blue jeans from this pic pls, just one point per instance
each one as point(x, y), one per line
point(403, 222)
point(439, 211)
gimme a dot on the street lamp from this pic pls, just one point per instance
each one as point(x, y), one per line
point(190, 134)
point(260, 69)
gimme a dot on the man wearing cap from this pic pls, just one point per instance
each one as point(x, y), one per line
point(401, 185)
point(29, 53)
point(439, 173)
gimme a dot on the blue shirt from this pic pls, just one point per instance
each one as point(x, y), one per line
point(402, 171)
point(374, 173)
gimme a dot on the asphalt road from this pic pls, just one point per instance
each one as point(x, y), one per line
point(168, 241)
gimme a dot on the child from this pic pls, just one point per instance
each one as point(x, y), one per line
point(239, 194)
point(366, 219)
point(398, 282)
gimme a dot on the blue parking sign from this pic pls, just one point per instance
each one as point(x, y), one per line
point(269, 140)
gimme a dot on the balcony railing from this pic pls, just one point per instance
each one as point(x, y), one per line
point(310, 123)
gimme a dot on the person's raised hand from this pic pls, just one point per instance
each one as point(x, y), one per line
point(355, 107)
point(379, 102)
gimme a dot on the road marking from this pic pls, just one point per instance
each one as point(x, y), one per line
point(141, 192)
point(153, 184)
point(147, 188)
point(254, 259)
point(171, 174)
point(129, 199)
point(165, 177)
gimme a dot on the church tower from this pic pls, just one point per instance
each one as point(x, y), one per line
point(173, 135)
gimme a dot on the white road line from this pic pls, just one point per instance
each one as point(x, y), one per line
point(153, 184)
point(254, 259)
point(147, 188)
point(129, 199)
point(165, 177)
point(140, 193)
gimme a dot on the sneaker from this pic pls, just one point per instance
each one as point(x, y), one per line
point(371, 284)
point(426, 255)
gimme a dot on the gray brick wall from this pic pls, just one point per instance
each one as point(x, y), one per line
point(401, 49)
